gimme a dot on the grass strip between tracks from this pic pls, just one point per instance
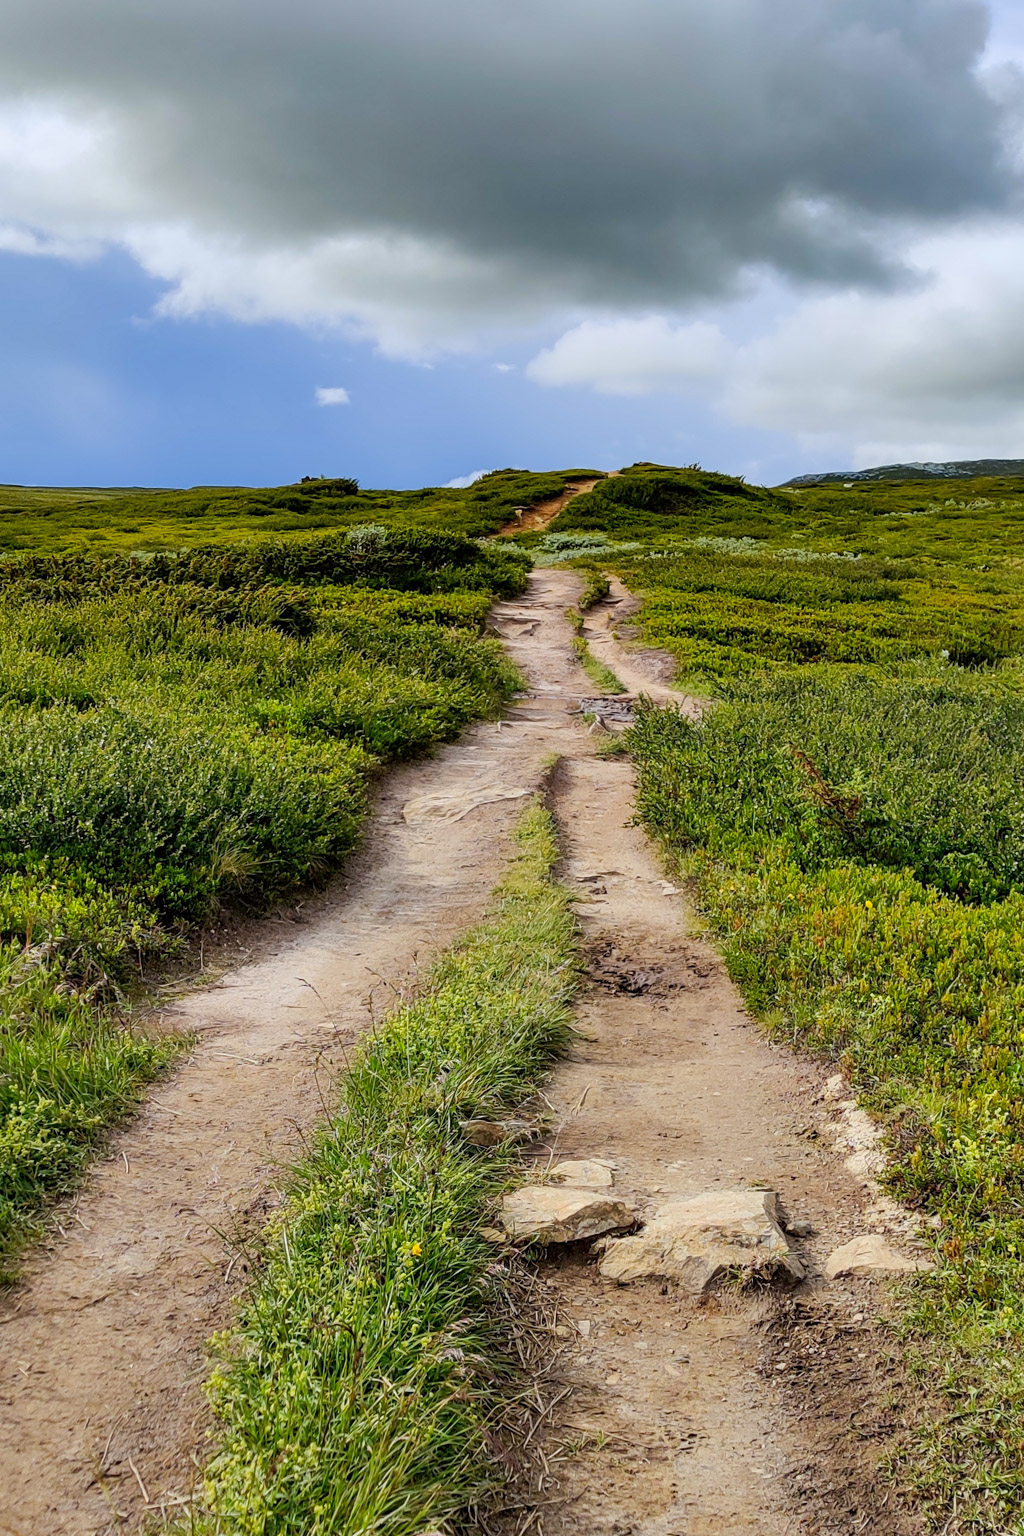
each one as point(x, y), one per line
point(364, 1383)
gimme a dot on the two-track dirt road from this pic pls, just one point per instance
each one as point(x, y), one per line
point(676, 1429)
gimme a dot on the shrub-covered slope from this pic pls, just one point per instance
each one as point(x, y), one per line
point(40, 519)
point(185, 731)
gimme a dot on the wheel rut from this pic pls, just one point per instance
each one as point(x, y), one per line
point(671, 1426)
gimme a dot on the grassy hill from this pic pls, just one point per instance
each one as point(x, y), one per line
point(45, 520)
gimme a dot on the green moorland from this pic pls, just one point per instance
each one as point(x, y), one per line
point(193, 728)
point(371, 1369)
point(851, 810)
point(40, 520)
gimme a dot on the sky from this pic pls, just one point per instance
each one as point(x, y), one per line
point(246, 240)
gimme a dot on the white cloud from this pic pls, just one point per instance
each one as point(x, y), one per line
point(432, 175)
point(936, 372)
point(932, 370)
point(332, 394)
point(463, 482)
point(633, 357)
point(620, 171)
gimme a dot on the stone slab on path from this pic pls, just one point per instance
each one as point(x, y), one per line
point(871, 1255)
point(699, 1240)
point(549, 1213)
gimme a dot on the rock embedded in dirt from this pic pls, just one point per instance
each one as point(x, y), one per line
point(589, 1173)
point(455, 803)
point(546, 1213)
point(698, 1240)
point(799, 1228)
point(871, 1255)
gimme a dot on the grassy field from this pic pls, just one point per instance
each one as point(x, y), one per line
point(183, 731)
point(39, 520)
point(851, 810)
point(370, 1372)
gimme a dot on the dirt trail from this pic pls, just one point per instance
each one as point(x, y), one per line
point(533, 519)
point(677, 1431)
point(640, 669)
point(685, 1421)
point(101, 1350)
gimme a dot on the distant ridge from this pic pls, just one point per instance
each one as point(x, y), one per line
point(961, 469)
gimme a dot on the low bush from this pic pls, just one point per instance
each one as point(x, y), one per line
point(922, 772)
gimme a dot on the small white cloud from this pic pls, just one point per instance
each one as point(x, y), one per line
point(332, 395)
point(462, 482)
point(633, 357)
point(503, 368)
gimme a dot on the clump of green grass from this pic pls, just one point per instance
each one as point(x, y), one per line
point(595, 589)
point(601, 676)
point(363, 1385)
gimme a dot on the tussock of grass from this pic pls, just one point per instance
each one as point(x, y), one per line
point(595, 589)
point(601, 676)
point(360, 1388)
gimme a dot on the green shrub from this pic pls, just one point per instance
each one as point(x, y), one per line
point(922, 773)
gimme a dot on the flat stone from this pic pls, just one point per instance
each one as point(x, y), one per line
point(454, 804)
point(588, 1173)
point(547, 1213)
point(871, 1255)
point(698, 1240)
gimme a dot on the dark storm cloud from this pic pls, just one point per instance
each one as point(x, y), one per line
point(603, 152)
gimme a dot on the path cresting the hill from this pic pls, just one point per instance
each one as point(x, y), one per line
point(673, 1416)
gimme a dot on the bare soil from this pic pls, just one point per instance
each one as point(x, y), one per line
point(534, 519)
point(678, 1418)
point(757, 1413)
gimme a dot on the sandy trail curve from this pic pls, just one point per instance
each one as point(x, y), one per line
point(534, 519)
point(678, 1433)
point(640, 669)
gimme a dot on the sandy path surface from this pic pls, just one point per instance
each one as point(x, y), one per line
point(101, 1349)
point(533, 519)
point(673, 1426)
point(678, 1418)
